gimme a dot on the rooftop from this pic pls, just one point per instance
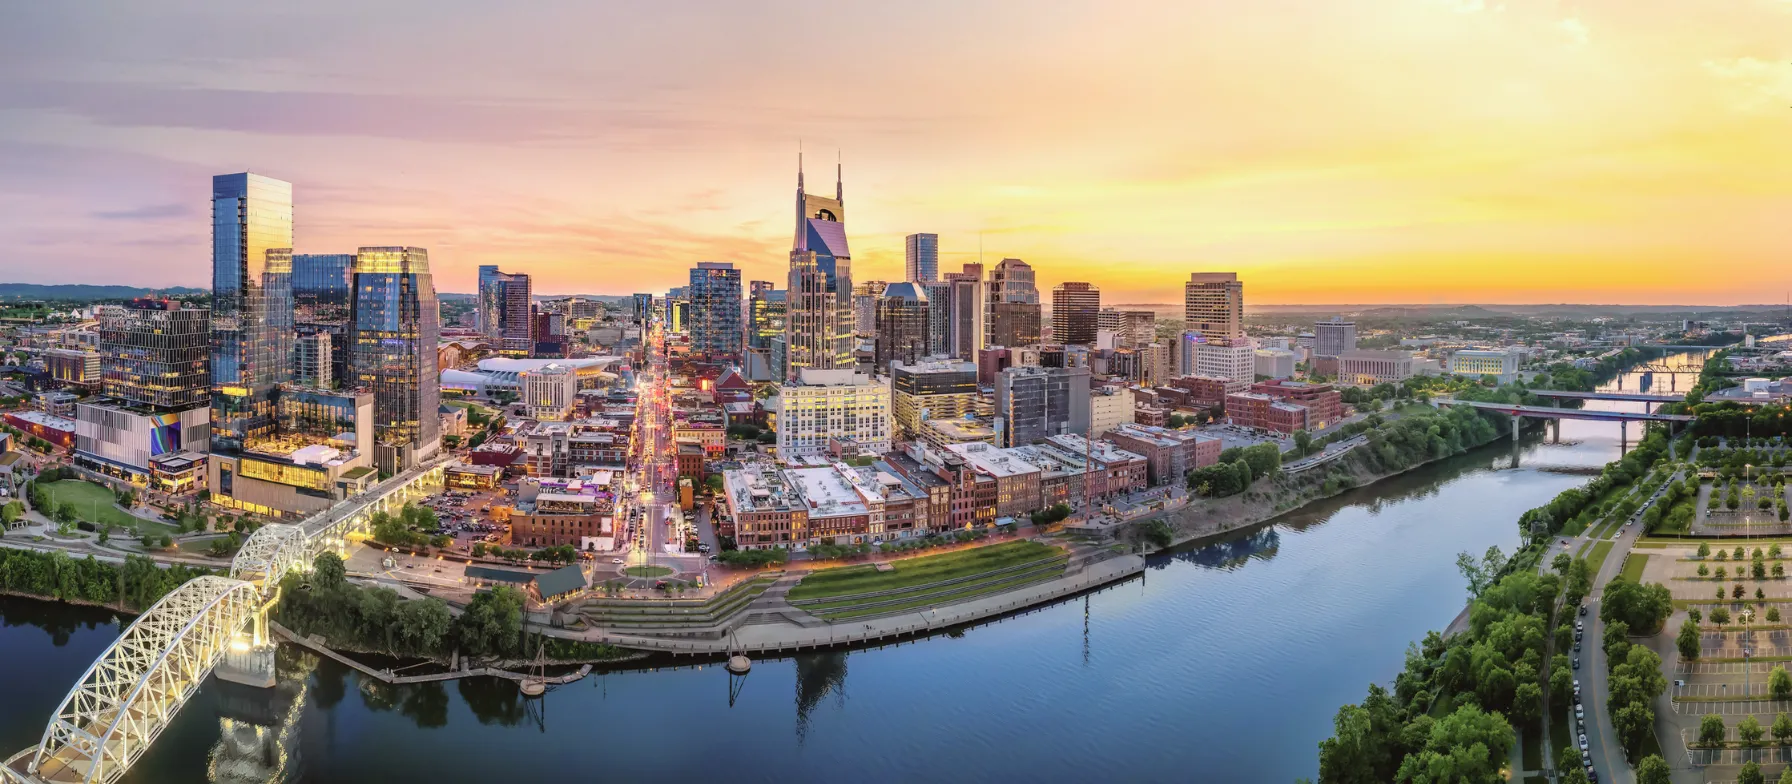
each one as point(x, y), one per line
point(828, 491)
point(993, 461)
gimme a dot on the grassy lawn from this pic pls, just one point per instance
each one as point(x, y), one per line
point(1054, 567)
point(919, 571)
point(467, 404)
point(1596, 558)
point(936, 599)
point(647, 571)
point(95, 504)
point(1633, 567)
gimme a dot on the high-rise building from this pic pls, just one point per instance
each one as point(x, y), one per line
point(864, 307)
point(1334, 337)
point(923, 256)
point(1035, 402)
point(1213, 306)
point(902, 313)
point(1014, 324)
point(251, 336)
point(923, 391)
point(767, 309)
point(715, 311)
point(1074, 309)
point(320, 305)
point(643, 311)
point(312, 361)
point(506, 311)
point(939, 317)
point(964, 312)
point(393, 338)
point(154, 419)
point(819, 329)
point(1011, 280)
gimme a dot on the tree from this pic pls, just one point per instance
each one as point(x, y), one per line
point(1468, 745)
point(1711, 730)
point(1782, 728)
point(1643, 607)
point(1749, 729)
point(1779, 683)
point(1652, 770)
point(328, 572)
point(1750, 773)
point(1561, 563)
point(1704, 549)
point(65, 513)
point(1303, 443)
point(1688, 641)
point(1720, 616)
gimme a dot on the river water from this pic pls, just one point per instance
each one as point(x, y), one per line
point(1224, 662)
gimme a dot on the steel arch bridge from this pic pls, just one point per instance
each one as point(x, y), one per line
point(127, 697)
point(136, 686)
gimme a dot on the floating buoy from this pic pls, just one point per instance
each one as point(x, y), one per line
point(739, 664)
point(533, 688)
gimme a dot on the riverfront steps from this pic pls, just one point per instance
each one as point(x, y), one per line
point(773, 638)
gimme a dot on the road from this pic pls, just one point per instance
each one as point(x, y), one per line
point(1602, 740)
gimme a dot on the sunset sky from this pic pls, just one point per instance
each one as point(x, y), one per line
point(1347, 151)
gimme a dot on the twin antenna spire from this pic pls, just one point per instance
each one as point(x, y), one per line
point(839, 188)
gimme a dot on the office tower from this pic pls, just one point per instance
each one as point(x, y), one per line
point(312, 360)
point(678, 309)
point(766, 307)
point(393, 341)
point(1035, 402)
point(1135, 328)
point(1074, 309)
point(939, 317)
point(506, 311)
point(1213, 307)
point(1012, 281)
point(923, 391)
point(484, 310)
point(643, 312)
point(320, 304)
point(551, 338)
point(1334, 337)
point(902, 314)
point(153, 419)
point(154, 353)
point(964, 312)
point(715, 311)
point(1014, 324)
point(251, 348)
point(923, 255)
point(864, 307)
point(819, 326)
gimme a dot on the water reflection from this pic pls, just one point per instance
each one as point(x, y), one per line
point(258, 729)
point(818, 675)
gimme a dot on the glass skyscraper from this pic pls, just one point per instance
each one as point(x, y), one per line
point(715, 311)
point(320, 303)
point(251, 335)
point(922, 254)
point(393, 338)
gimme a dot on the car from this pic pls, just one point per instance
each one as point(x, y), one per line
point(1583, 744)
point(1580, 712)
point(1577, 662)
point(1577, 636)
point(1577, 647)
point(1583, 610)
point(1592, 775)
point(616, 560)
point(1578, 625)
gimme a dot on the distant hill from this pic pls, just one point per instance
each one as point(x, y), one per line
point(83, 291)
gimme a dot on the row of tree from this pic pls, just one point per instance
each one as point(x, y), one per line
point(378, 620)
point(134, 585)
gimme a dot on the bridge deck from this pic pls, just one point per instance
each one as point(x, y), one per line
point(1635, 397)
point(1546, 412)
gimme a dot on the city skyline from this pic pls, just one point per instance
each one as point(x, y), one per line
point(1425, 151)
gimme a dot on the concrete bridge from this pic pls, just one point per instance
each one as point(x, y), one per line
point(1634, 397)
point(135, 687)
point(1519, 413)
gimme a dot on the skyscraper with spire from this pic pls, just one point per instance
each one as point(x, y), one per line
point(819, 325)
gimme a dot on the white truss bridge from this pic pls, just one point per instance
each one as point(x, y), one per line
point(135, 687)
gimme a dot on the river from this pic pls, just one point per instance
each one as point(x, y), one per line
point(1225, 661)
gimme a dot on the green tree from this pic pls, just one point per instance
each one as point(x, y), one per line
point(1652, 770)
point(1750, 773)
point(1782, 728)
point(1642, 606)
point(1468, 745)
point(1704, 549)
point(1749, 729)
point(328, 572)
point(1779, 683)
point(1688, 641)
point(1711, 730)
point(1303, 443)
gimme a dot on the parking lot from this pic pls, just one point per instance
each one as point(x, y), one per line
point(466, 516)
point(1234, 436)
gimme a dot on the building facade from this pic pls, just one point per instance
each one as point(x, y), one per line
point(506, 312)
point(1368, 367)
point(819, 326)
point(251, 330)
point(1075, 309)
point(1334, 337)
point(901, 324)
point(922, 257)
point(1213, 306)
point(826, 406)
point(1034, 403)
point(1502, 365)
point(321, 295)
point(715, 329)
point(936, 390)
point(393, 352)
point(548, 393)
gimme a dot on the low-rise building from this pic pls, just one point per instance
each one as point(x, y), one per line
point(467, 476)
point(1502, 365)
point(1109, 407)
point(555, 512)
point(1169, 454)
point(1368, 367)
point(1275, 363)
point(830, 406)
point(1285, 406)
